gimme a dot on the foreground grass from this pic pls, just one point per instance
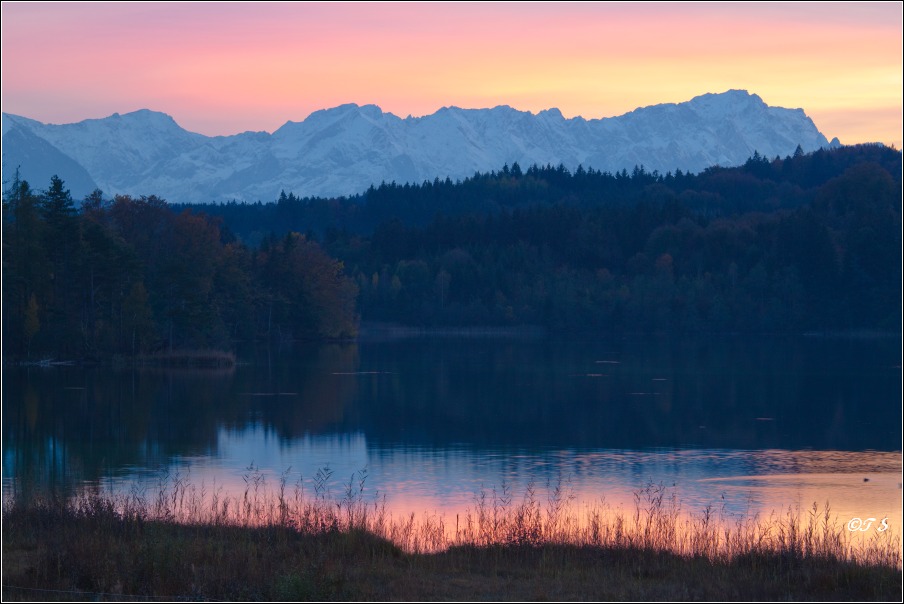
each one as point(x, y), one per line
point(275, 547)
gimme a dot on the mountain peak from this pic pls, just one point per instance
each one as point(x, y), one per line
point(145, 115)
point(10, 119)
point(732, 94)
point(342, 110)
point(737, 97)
point(144, 120)
point(372, 111)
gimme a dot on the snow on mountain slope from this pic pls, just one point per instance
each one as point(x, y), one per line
point(343, 150)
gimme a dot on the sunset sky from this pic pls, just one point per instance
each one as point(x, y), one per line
point(227, 68)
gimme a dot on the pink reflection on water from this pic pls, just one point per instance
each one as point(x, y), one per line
point(426, 501)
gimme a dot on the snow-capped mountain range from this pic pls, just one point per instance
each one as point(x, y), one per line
point(342, 151)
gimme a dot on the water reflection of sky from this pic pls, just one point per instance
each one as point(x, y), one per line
point(448, 480)
point(766, 424)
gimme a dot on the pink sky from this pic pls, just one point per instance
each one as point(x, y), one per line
point(227, 68)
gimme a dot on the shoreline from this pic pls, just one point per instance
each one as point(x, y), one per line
point(389, 331)
point(380, 331)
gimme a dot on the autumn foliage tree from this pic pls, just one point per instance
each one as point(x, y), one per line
point(304, 291)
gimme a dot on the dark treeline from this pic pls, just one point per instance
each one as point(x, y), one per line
point(759, 185)
point(809, 242)
point(131, 277)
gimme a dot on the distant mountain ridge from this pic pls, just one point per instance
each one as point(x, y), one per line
point(344, 150)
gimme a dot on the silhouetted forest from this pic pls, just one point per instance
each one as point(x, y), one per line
point(808, 242)
point(130, 276)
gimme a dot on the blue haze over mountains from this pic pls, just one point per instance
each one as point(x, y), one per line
point(344, 150)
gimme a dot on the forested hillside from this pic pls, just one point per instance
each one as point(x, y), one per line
point(809, 242)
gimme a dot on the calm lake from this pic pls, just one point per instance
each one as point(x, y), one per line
point(747, 425)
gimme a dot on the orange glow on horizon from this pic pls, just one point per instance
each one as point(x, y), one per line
point(227, 68)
